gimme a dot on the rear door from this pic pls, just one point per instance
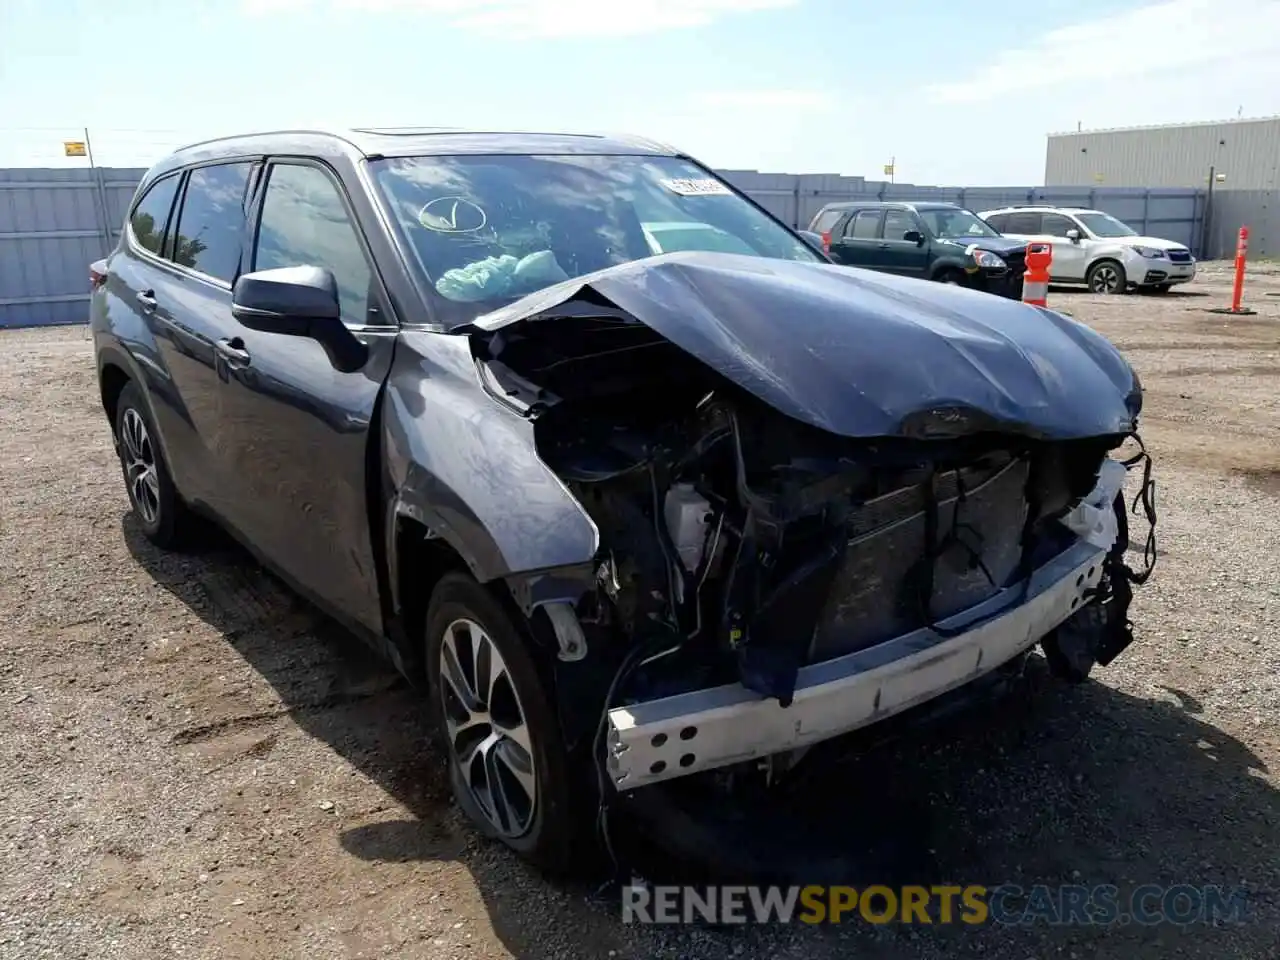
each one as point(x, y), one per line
point(857, 243)
point(898, 255)
point(297, 429)
point(183, 290)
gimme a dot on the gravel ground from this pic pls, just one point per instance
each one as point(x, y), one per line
point(198, 765)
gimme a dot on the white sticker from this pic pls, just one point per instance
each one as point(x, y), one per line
point(697, 188)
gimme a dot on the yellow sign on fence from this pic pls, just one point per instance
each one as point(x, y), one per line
point(74, 148)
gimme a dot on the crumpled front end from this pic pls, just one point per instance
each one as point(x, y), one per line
point(775, 568)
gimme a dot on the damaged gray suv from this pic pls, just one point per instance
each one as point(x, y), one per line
point(629, 478)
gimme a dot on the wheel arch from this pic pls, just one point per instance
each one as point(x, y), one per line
point(945, 265)
point(1104, 259)
point(112, 379)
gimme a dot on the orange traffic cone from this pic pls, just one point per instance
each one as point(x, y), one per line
point(1035, 282)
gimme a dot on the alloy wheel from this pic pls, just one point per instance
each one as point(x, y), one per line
point(1106, 279)
point(140, 466)
point(486, 727)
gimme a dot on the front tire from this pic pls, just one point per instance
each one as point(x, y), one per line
point(507, 761)
point(159, 510)
point(1107, 277)
point(953, 277)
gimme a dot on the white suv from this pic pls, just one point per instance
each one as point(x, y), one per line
point(1096, 249)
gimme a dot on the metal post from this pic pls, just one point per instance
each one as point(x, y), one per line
point(101, 214)
point(1205, 216)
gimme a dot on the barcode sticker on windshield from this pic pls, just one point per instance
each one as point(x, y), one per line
point(697, 188)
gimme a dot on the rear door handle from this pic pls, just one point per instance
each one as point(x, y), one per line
point(884, 246)
point(147, 298)
point(233, 351)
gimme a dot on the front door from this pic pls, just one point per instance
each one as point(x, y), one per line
point(908, 258)
point(299, 429)
point(1070, 257)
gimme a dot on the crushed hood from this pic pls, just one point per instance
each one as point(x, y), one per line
point(857, 353)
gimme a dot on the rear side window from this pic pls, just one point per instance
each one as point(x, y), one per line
point(864, 225)
point(998, 221)
point(305, 223)
point(1023, 223)
point(211, 225)
point(827, 219)
point(151, 215)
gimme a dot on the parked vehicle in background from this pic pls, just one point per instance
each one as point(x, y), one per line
point(1096, 249)
point(624, 516)
point(928, 241)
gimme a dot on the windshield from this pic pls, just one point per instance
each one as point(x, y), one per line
point(486, 230)
point(956, 224)
point(1105, 225)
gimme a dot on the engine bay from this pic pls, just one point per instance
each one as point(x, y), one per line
point(737, 543)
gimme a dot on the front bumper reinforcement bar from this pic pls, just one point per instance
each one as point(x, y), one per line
point(675, 736)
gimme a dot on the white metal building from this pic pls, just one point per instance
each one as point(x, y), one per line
point(1245, 155)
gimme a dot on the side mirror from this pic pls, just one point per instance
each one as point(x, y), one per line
point(914, 236)
point(1073, 235)
point(298, 302)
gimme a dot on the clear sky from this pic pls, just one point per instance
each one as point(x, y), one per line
point(961, 92)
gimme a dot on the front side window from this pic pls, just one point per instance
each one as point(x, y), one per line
point(487, 229)
point(151, 216)
point(211, 224)
point(999, 221)
point(1056, 225)
point(305, 223)
point(956, 224)
point(1105, 225)
point(899, 222)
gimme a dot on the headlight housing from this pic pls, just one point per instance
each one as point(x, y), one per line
point(985, 258)
point(1150, 253)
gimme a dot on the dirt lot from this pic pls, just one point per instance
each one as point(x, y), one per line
point(197, 765)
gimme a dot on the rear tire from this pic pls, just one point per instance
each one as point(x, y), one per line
point(1107, 277)
point(159, 510)
point(492, 714)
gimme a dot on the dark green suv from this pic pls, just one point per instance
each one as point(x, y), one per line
point(931, 241)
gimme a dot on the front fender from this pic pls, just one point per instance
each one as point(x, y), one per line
point(943, 264)
point(467, 469)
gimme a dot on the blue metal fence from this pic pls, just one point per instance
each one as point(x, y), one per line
point(55, 222)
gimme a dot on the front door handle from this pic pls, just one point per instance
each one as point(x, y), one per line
point(884, 246)
point(233, 351)
point(147, 299)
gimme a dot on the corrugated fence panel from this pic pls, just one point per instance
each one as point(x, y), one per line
point(53, 224)
point(1259, 210)
point(52, 221)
